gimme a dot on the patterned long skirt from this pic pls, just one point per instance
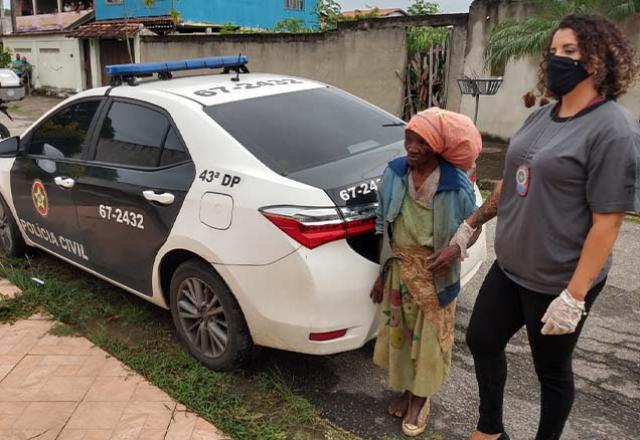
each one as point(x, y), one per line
point(416, 335)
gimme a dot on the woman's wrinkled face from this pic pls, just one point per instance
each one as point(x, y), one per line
point(418, 151)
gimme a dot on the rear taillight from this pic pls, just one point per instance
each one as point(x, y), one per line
point(312, 227)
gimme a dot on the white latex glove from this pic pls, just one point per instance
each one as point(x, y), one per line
point(462, 237)
point(563, 315)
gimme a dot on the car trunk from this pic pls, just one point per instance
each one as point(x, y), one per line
point(324, 138)
point(353, 183)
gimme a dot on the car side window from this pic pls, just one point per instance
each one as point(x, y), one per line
point(64, 134)
point(174, 150)
point(132, 135)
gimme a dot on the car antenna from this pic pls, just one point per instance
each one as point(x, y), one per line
point(237, 78)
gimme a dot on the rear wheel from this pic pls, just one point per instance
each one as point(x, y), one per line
point(11, 242)
point(207, 317)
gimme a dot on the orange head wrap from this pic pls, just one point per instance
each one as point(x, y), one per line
point(450, 135)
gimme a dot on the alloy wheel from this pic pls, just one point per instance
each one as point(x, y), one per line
point(202, 317)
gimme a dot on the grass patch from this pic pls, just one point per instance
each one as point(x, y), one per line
point(245, 405)
point(63, 330)
point(631, 218)
point(17, 109)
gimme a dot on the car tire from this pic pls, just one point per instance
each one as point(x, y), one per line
point(11, 242)
point(4, 132)
point(207, 317)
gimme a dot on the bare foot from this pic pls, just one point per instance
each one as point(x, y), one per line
point(398, 407)
point(415, 406)
point(480, 436)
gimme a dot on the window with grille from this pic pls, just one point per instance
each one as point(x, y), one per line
point(294, 4)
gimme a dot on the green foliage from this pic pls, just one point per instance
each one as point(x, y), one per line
point(329, 13)
point(291, 25)
point(423, 7)
point(63, 330)
point(5, 58)
point(421, 39)
point(173, 11)
point(513, 40)
point(175, 16)
point(229, 28)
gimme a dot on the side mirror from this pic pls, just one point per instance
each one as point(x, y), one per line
point(9, 146)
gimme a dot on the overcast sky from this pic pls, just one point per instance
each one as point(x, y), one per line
point(445, 5)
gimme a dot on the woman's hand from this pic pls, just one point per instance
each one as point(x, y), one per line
point(377, 291)
point(440, 262)
point(563, 315)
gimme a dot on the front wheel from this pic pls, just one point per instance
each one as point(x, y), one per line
point(207, 317)
point(11, 241)
point(4, 132)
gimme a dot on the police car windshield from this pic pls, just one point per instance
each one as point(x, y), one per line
point(300, 130)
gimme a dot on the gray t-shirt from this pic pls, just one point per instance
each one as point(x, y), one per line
point(578, 166)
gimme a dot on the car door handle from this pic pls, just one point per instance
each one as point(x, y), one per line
point(64, 182)
point(163, 199)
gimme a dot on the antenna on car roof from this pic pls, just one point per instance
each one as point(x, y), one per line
point(244, 69)
point(127, 73)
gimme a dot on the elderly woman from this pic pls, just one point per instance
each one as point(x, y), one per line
point(423, 199)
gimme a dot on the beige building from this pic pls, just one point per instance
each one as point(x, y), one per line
point(40, 35)
point(57, 60)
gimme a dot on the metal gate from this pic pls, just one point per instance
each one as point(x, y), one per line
point(112, 52)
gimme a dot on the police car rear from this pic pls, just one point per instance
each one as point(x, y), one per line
point(327, 139)
point(261, 232)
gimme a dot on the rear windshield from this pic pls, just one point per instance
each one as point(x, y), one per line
point(295, 131)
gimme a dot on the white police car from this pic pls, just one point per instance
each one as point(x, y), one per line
point(242, 202)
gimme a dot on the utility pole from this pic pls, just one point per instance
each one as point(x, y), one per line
point(2, 17)
point(14, 27)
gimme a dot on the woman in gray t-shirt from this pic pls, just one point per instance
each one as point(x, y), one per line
point(571, 173)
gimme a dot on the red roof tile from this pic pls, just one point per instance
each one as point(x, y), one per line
point(116, 28)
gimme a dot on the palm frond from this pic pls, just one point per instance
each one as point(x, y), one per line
point(619, 10)
point(513, 40)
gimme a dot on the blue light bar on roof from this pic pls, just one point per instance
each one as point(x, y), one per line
point(231, 62)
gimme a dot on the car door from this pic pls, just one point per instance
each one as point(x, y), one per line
point(44, 174)
point(132, 190)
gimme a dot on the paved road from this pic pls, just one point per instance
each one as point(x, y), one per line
point(350, 390)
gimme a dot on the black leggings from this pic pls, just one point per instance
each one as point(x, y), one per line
point(502, 308)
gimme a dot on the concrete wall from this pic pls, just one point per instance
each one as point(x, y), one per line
point(56, 60)
point(249, 13)
point(632, 99)
point(501, 115)
point(366, 58)
point(48, 22)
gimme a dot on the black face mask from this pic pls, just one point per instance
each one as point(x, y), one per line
point(564, 74)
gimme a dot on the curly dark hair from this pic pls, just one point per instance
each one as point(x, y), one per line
point(604, 48)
